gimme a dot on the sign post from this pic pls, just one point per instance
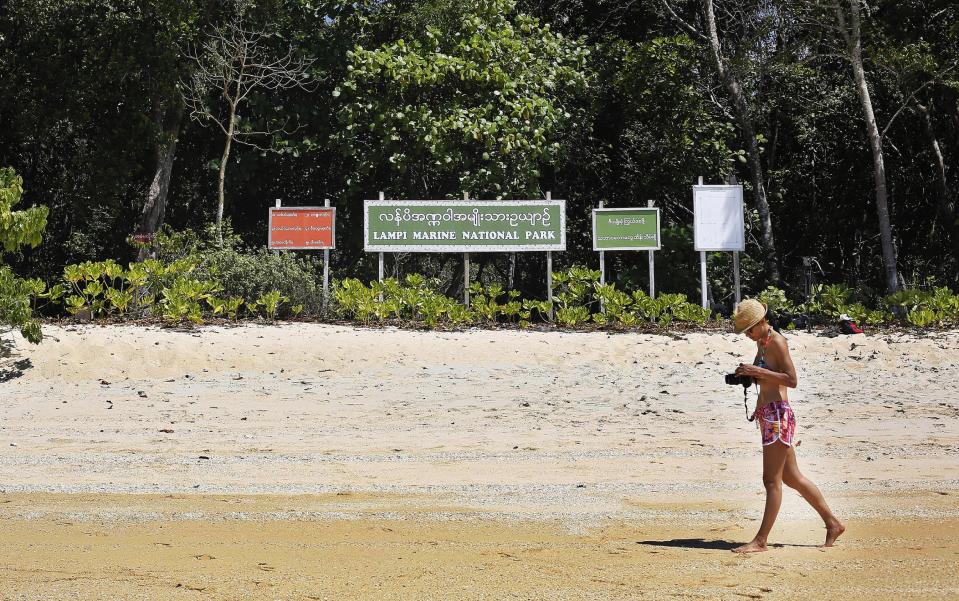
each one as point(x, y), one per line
point(466, 268)
point(466, 226)
point(652, 272)
point(549, 270)
point(326, 269)
point(304, 228)
point(703, 282)
point(382, 197)
point(602, 253)
point(279, 203)
point(738, 292)
point(602, 266)
point(718, 226)
point(628, 228)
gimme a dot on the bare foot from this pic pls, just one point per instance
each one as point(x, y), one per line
point(751, 547)
point(833, 531)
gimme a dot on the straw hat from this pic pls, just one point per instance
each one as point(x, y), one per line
point(748, 313)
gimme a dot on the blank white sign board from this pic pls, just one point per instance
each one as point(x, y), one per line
point(718, 218)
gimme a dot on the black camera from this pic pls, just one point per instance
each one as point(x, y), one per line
point(734, 380)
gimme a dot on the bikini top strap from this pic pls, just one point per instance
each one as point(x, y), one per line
point(763, 344)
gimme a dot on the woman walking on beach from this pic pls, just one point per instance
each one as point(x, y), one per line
point(773, 370)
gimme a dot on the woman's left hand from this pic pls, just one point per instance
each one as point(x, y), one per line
point(749, 370)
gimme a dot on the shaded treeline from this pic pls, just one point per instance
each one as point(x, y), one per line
point(592, 100)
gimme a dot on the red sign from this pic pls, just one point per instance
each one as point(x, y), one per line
point(302, 227)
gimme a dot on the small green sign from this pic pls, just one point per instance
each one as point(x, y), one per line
point(626, 229)
point(464, 225)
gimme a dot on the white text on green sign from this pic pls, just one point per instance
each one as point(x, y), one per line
point(464, 226)
point(626, 229)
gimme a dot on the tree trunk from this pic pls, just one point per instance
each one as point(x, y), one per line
point(947, 203)
point(854, 52)
point(223, 162)
point(154, 209)
point(745, 122)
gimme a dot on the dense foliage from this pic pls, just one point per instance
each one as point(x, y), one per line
point(599, 100)
point(17, 229)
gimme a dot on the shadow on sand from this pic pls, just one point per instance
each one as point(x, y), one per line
point(700, 543)
point(10, 369)
point(14, 370)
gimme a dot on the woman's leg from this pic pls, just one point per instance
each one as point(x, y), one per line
point(793, 478)
point(774, 460)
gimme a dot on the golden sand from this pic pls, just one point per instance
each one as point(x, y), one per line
point(226, 547)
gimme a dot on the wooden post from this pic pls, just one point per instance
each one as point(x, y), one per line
point(549, 272)
point(382, 197)
point(326, 268)
point(652, 274)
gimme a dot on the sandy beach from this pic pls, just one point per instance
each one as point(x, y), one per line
point(305, 461)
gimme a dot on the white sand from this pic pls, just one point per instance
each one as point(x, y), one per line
point(313, 408)
point(575, 430)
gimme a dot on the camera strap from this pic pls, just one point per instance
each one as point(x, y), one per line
point(752, 417)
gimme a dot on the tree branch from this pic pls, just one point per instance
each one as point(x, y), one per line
point(692, 31)
point(912, 96)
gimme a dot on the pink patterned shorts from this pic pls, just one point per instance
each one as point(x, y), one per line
point(776, 421)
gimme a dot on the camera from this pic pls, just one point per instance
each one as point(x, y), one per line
point(734, 380)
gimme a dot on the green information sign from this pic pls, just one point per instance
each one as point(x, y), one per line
point(626, 229)
point(464, 225)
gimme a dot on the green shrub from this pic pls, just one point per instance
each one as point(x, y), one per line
point(574, 287)
point(691, 313)
point(617, 306)
point(539, 309)
point(775, 299)
point(18, 229)
point(415, 298)
point(834, 299)
point(251, 274)
point(271, 302)
point(923, 308)
point(485, 302)
point(16, 298)
point(572, 316)
point(183, 300)
point(921, 317)
point(226, 306)
point(243, 272)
